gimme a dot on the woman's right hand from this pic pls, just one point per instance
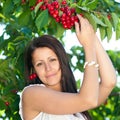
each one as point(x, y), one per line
point(85, 32)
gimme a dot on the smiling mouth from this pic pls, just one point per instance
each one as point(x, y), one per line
point(51, 75)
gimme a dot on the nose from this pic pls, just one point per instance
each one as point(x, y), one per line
point(47, 67)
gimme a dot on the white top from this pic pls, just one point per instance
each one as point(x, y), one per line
point(45, 116)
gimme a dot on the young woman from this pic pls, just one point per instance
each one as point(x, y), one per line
point(53, 95)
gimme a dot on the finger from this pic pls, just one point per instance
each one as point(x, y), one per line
point(77, 28)
point(81, 19)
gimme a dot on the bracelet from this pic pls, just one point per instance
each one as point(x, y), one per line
point(92, 63)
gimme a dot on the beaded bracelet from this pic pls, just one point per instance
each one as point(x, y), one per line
point(92, 63)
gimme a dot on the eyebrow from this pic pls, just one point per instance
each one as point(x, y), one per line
point(47, 58)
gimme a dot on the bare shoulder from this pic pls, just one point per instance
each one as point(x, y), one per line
point(31, 98)
point(32, 90)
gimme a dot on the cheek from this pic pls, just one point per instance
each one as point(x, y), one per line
point(56, 66)
point(40, 73)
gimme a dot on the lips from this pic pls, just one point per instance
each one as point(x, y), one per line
point(50, 75)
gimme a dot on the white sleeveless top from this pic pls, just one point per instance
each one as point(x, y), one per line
point(45, 116)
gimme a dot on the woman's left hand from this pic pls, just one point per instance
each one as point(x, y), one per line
point(85, 32)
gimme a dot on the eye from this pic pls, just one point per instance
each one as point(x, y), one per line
point(53, 59)
point(39, 64)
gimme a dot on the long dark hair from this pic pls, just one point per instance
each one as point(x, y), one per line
point(68, 82)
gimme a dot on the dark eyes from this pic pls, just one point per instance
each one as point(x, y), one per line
point(50, 60)
point(53, 59)
point(39, 64)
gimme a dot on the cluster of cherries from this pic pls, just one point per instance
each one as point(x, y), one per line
point(60, 11)
point(32, 76)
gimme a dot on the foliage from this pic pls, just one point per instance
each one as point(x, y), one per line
point(21, 24)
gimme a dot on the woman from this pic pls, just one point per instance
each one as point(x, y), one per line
point(54, 95)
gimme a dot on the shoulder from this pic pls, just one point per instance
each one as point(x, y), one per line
point(31, 95)
point(32, 89)
point(29, 100)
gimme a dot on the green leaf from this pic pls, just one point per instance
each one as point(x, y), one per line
point(109, 2)
point(118, 31)
point(2, 16)
point(115, 19)
point(83, 8)
point(32, 2)
point(91, 20)
point(98, 21)
point(102, 32)
point(80, 2)
point(24, 18)
point(92, 4)
point(42, 19)
point(2, 105)
point(8, 7)
point(16, 2)
point(108, 28)
point(55, 28)
point(85, 2)
point(60, 30)
point(37, 7)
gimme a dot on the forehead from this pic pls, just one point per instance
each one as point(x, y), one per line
point(43, 51)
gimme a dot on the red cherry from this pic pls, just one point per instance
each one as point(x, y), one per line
point(51, 8)
point(14, 91)
point(72, 23)
point(81, 14)
point(72, 19)
point(48, 5)
point(72, 10)
point(55, 3)
point(106, 102)
point(65, 26)
point(7, 103)
point(46, 1)
point(30, 77)
point(34, 75)
point(43, 7)
point(62, 8)
point(54, 15)
point(109, 16)
point(32, 8)
point(56, 6)
point(51, 12)
point(64, 2)
point(23, 1)
point(57, 19)
point(64, 22)
point(39, 1)
point(69, 13)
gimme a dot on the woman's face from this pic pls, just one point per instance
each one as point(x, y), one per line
point(47, 67)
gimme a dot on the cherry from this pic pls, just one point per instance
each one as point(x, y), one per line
point(32, 76)
point(109, 16)
point(57, 19)
point(32, 8)
point(7, 103)
point(23, 1)
point(64, 2)
point(14, 91)
point(81, 14)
